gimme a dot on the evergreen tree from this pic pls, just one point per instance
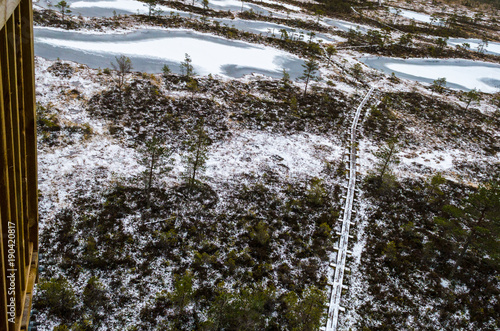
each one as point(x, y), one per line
point(166, 71)
point(151, 4)
point(187, 68)
point(197, 154)
point(382, 175)
point(285, 80)
point(219, 308)
point(330, 52)
point(441, 43)
point(157, 160)
point(122, 67)
point(433, 188)
point(406, 40)
point(438, 85)
point(192, 85)
point(63, 7)
point(311, 67)
point(386, 158)
point(357, 71)
point(476, 224)
point(205, 4)
point(306, 313)
point(183, 293)
point(95, 300)
point(470, 96)
point(58, 297)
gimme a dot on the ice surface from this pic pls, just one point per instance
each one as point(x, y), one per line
point(469, 77)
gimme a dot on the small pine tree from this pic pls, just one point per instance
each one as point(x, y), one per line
point(157, 160)
point(386, 158)
point(63, 7)
point(357, 71)
point(285, 80)
point(192, 85)
point(205, 4)
point(197, 154)
point(122, 67)
point(475, 223)
point(311, 67)
point(441, 43)
point(330, 52)
point(166, 71)
point(438, 85)
point(95, 300)
point(482, 45)
point(406, 40)
point(306, 313)
point(187, 68)
point(183, 293)
point(471, 96)
point(151, 4)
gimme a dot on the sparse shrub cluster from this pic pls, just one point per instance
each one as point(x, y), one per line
point(398, 112)
point(264, 249)
point(416, 256)
point(53, 131)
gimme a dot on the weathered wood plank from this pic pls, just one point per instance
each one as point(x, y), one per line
point(30, 118)
point(22, 139)
point(4, 204)
point(7, 7)
point(16, 163)
point(18, 170)
point(9, 142)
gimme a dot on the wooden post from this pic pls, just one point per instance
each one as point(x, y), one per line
point(4, 205)
point(18, 162)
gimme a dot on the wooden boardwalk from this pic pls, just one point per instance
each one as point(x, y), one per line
point(337, 285)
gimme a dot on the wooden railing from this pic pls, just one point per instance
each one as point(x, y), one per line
point(18, 165)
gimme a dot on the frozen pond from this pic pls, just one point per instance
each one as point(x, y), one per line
point(346, 26)
point(491, 48)
point(98, 8)
point(107, 8)
point(412, 15)
point(459, 74)
point(149, 50)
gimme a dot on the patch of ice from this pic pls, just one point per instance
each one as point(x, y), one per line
point(469, 77)
point(288, 6)
point(209, 56)
point(491, 47)
point(125, 5)
point(412, 15)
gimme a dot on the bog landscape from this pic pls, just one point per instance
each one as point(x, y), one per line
point(268, 165)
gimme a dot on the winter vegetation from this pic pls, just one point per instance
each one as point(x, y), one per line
point(178, 200)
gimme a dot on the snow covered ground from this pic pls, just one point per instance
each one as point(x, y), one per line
point(291, 155)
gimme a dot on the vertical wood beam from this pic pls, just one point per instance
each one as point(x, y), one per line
point(22, 140)
point(10, 211)
point(16, 186)
point(18, 158)
point(4, 203)
point(30, 119)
